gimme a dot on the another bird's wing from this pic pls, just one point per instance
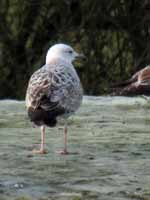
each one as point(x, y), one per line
point(144, 76)
point(54, 87)
point(139, 84)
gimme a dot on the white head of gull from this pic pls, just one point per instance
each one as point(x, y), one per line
point(54, 91)
point(62, 51)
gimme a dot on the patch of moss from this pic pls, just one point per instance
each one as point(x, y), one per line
point(23, 198)
point(77, 198)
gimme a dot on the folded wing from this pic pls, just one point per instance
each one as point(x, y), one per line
point(55, 90)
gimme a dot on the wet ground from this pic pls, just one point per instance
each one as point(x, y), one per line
point(111, 136)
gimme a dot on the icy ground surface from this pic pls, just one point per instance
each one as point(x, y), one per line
point(111, 136)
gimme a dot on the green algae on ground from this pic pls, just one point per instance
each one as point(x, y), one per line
point(111, 136)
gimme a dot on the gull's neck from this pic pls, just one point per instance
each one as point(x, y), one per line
point(50, 58)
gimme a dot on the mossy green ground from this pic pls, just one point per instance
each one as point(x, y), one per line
point(111, 136)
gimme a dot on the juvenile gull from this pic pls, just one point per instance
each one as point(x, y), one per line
point(138, 84)
point(54, 91)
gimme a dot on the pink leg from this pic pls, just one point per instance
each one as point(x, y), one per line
point(64, 151)
point(42, 150)
point(65, 140)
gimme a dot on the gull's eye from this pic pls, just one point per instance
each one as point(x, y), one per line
point(70, 51)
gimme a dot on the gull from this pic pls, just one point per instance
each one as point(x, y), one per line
point(54, 91)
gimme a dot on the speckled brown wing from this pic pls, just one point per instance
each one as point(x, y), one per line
point(38, 86)
point(54, 87)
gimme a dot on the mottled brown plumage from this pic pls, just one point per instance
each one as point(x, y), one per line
point(54, 87)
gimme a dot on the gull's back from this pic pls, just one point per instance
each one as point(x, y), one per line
point(53, 90)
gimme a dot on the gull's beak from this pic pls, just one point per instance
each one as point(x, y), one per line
point(80, 56)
